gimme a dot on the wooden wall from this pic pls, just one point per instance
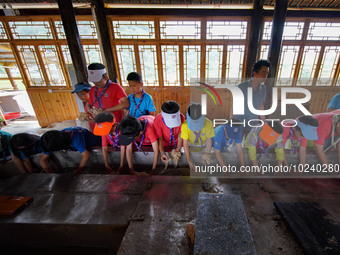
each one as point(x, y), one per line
point(320, 99)
point(61, 104)
point(53, 107)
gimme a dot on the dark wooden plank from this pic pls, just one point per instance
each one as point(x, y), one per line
point(275, 45)
point(255, 36)
point(73, 39)
point(9, 204)
point(312, 227)
point(99, 16)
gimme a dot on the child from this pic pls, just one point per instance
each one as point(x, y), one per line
point(141, 103)
point(225, 136)
point(73, 138)
point(168, 128)
point(5, 148)
point(141, 130)
point(197, 130)
point(324, 132)
point(108, 129)
point(85, 119)
point(263, 138)
point(306, 128)
point(106, 95)
point(23, 146)
point(82, 90)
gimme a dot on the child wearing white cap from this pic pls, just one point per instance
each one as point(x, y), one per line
point(107, 95)
point(197, 130)
point(167, 125)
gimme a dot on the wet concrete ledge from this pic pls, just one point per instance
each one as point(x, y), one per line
point(67, 161)
point(130, 214)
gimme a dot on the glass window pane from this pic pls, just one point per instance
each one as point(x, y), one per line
point(7, 59)
point(52, 66)
point(3, 73)
point(264, 52)
point(30, 65)
point(325, 31)
point(291, 31)
point(130, 29)
point(86, 29)
point(30, 30)
point(66, 54)
point(287, 65)
point(170, 58)
point(8, 67)
point(328, 66)
point(2, 31)
point(5, 84)
point(235, 57)
point(92, 54)
point(180, 29)
point(192, 63)
point(148, 63)
point(126, 60)
point(213, 66)
point(226, 29)
point(309, 61)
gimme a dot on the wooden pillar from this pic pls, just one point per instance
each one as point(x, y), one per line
point(9, 74)
point(99, 17)
point(274, 52)
point(73, 39)
point(255, 36)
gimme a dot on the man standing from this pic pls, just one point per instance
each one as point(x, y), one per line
point(260, 73)
point(106, 94)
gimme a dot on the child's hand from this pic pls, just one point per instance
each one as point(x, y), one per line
point(142, 174)
point(119, 170)
point(164, 157)
point(109, 170)
point(206, 158)
point(47, 170)
point(191, 166)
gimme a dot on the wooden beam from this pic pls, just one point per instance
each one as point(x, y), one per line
point(255, 36)
point(275, 44)
point(8, 72)
point(99, 17)
point(73, 39)
point(185, 12)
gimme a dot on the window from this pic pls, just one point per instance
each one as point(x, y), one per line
point(324, 31)
point(30, 30)
point(133, 29)
point(226, 30)
point(148, 62)
point(86, 29)
point(180, 29)
point(126, 60)
point(170, 59)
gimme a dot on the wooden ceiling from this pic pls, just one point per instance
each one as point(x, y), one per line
point(305, 4)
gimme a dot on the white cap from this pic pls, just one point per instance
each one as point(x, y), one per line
point(172, 120)
point(96, 75)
